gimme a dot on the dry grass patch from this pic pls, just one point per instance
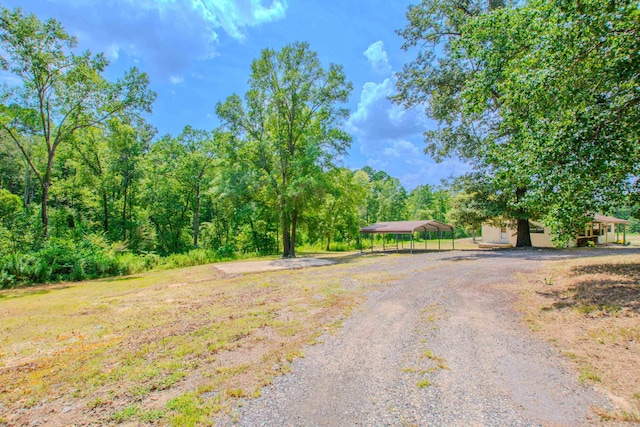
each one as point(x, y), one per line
point(167, 348)
point(590, 308)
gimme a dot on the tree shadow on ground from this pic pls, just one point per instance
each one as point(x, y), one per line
point(8, 294)
point(604, 287)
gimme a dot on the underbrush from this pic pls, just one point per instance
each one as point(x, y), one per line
point(61, 259)
point(322, 247)
point(66, 260)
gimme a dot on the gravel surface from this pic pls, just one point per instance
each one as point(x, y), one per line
point(442, 346)
point(233, 267)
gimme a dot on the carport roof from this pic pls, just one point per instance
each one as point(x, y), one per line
point(406, 227)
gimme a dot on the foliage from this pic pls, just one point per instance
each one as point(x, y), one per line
point(61, 92)
point(386, 199)
point(541, 97)
point(288, 128)
point(462, 95)
point(87, 190)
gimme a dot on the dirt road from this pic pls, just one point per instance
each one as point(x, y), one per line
point(442, 346)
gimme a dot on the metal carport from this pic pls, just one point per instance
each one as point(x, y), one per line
point(407, 227)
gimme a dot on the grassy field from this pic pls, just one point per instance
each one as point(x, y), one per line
point(590, 309)
point(173, 347)
point(178, 347)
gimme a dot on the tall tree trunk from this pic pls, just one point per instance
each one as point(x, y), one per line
point(286, 237)
point(124, 215)
point(44, 213)
point(524, 234)
point(105, 211)
point(27, 188)
point(196, 217)
point(254, 235)
point(294, 225)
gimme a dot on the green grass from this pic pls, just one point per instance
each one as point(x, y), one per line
point(188, 332)
point(423, 383)
point(587, 375)
point(126, 414)
point(187, 410)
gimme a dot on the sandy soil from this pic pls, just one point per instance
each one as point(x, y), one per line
point(237, 267)
point(441, 346)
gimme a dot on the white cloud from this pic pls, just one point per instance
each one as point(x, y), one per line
point(166, 36)
point(112, 52)
point(401, 149)
point(378, 58)
point(377, 118)
point(233, 15)
point(176, 80)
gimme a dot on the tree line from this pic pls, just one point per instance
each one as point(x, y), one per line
point(89, 189)
point(541, 98)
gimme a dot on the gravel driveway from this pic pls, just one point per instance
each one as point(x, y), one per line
point(442, 346)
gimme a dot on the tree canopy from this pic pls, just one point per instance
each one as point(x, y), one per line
point(541, 97)
point(288, 127)
point(60, 92)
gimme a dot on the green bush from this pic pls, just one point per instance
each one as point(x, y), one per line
point(191, 258)
point(226, 252)
point(91, 256)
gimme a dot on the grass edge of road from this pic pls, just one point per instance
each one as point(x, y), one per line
point(589, 308)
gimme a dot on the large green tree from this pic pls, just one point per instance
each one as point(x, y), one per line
point(60, 91)
point(457, 91)
point(540, 96)
point(289, 127)
point(567, 75)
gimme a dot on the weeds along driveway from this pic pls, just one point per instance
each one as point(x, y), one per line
point(442, 345)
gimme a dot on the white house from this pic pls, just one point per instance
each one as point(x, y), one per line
point(603, 229)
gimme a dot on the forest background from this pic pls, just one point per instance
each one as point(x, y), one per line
point(88, 189)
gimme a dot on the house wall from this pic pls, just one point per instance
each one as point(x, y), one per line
point(542, 240)
point(491, 234)
point(609, 237)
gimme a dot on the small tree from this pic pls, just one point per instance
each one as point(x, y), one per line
point(466, 213)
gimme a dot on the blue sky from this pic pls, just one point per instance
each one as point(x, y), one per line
point(198, 52)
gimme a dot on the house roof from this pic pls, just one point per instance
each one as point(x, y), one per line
point(405, 227)
point(603, 219)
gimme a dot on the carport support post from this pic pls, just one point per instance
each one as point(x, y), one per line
point(411, 250)
point(453, 240)
point(439, 236)
point(396, 242)
point(383, 239)
point(371, 242)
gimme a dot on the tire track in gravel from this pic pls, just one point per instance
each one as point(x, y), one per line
point(497, 373)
